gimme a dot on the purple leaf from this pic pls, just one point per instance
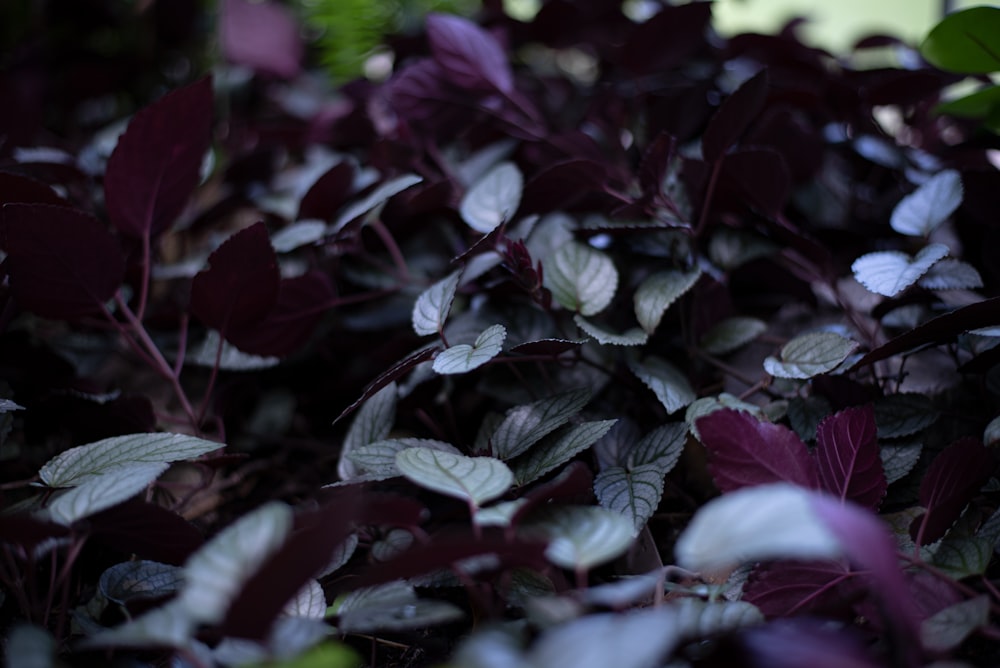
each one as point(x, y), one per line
point(146, 530)
point(666, 40)
point(157, 162)
point(470, 57)
point(27, 531)
point(847, 456)
point(760, 176)
point(786, 588)
point(17, 188)
point(263, 36)
point(734, 117)
point(744, 451)
point(240, 286)
point(300, 306)
point(62, 262)
point(328, 193)
point(392, 373)
point(951, 481)
point(793, 643)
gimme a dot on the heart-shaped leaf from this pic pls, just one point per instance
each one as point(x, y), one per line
point(473, 479)
point(731, 334)
point(525, 425)
point(666, 381)
point(889, 273)
point(463, 358)
point(434, 304)
point(810, 355)
point(657, 292)
point(633, 493)
point(379, 458)
point(493, 199)
point(581, 537)
point(138, 580)
point(922, 211)
point(581, 278)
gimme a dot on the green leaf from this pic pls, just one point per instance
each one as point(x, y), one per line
point(657, 292)
point(76, 465)
point(731, 334)
point(434, 304)
point(308, 603)
point(138, 580)
point(666, 381)
point(581, 537)
point(374, 200)
point(633, 493)
point(979, 104)
point(559, 449)
point(961, 556)
point(810, 355)
point(947, 629)
point(581, 278)
point(493, 199)
point(102, 491)
point(215, 574)
point(903, 414)
point(298, 234)
point(327, 655)
point(473, 479)
point(462, 358)
point(922, 211)
point(889, 273)
point(525, 425)
point(662, 447)
point(632, 337)
point(393, 606)
point(965, 41)
point(372, 423)
point(951, 274)
point(773, 521)
point(805, 414)
point(707, 405)
point(379, 458)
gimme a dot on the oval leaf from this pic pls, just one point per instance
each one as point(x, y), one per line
point(962, 41)
point(463, 358)
point(731, 334)
point(137, 580)
point(434, 304)
point(523, 426)
point(655, 295)
point(633, 493)
point(473, 479)
point(945, 630)
point(102, 491)
point(379, 458)
point(889, 273)
point(581, 537)
point(376, 198)
point(847, 457)
point(560, 448)
point(470, 57)
point(809, 355)
point(922, 211)
point(581, 278)
point(493, 199)
point(666, 381)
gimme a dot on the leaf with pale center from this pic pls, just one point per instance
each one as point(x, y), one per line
point(493, 199)
point(889, 273)
point(472, 479)
point(581, 278)
point(104, 490)
point(666, 381)
point(434, 304)
point(581, 537)
point(810, 355)
point(922, 211)
point(525, 425)
point(657, 292)
point(462, 358)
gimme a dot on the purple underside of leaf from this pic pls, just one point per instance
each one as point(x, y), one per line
point(328, 194)
point(240, 286)
point(156, 164)
point(147, 530)
point(469, 55)
point(734, 117)
point(951, 481)
point(794, 643)
point(744, 451)
point(847, 457)
point(263, 36)
point(421, 93)
point(25, 190)
point(786, 588)
point(62, 262)
point(760, 176)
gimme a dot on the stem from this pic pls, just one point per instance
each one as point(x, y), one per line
point(402, 271)
point(144, 280)
point(213, 376)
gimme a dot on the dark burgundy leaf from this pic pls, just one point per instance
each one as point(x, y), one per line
point(390, 510)
point(562, 185)
point(387, 376)
point(17, 188)
point(574, 484)
point(240, 286)
point(470, 57)
point(951, 481)
point(760, 176)
point(62, 262)
point(734, 117)
point(28, 531)
point(655, 163)
point(300, 306)
point(328, 194)
point(303, 555)
point(156, 164)
point(263, 36)
point(786, 588)
point(941, 329)
point(147, 530)
point(743, 451)
point(794, 643)
point(547, 347)
point(789, 131)
point(847, 457)
point(666, 40)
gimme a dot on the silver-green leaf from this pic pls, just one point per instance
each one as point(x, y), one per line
point(296, 235)
point(104, 490)
point(137, 580)
point(948, 628)
point(922, 211)
point(472, 479)
point(889, 273)
point(662, 446)
point(559, 449)
point(581, 278)
point(462, 358)
point(731, 334)
point(633, 493)
point(581, 537)
point(631, 337)
point(666, 381)
point(393, 606)
point(951, 274)
point(434, 304)
point(657, 292)
point(525, 425)
point(375, 199)
point(493, 199)
point(373, 422)
point(379, 458)
point(810, 355)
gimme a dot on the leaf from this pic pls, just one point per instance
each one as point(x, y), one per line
point(847, 457)
point(330, 654)
point(264, 36)
point(230, 358)
point(376, 198)
point(903, 414)
point(772, 521)
point(138, 580)
point(214, 575)
point(493, 199)
point(30, 646)
point(472, 479)
point(581, 537)
point(961, 555)
point(241, 282)
point(697, 619)
point(146, 530)
point(635, 639)
point(632, 337)
point(296, 235)
point(581, 278)
point(810, 355)
point(899, 460)
point(76, 465)
point(379, 458)
point(166, 626)
point(950, 482)
point(734, 117)
point(947, 629)
point(787, 588)
point(805, 414)
point(372, 423)
point(156, 164)
point(104, 490)
point(657, 292)
point(744, 452)
point(434, 304)
point(470, 57)
point(394, 372)
point(889, 273)
point(666, 381)
point(922, 211)
point(390, 607)
point(559, 449)
point(525, 425)
point(462, 358)
point(632, 493)
point(951, 274)
point(731, 334)
point(964, 41)
point(61, 262)
point(309, 603)
point(663, 447)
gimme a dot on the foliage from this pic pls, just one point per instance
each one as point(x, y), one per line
point(581, 340)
